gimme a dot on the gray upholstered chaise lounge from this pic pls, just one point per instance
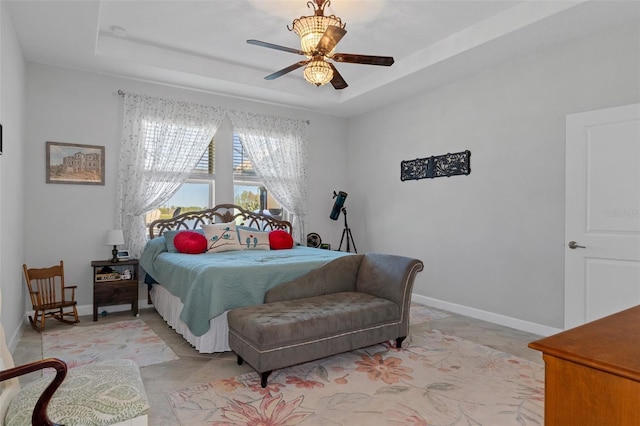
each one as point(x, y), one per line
point(349, 303)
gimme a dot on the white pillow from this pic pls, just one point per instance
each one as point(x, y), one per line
point(253, 240)
point(221, 237)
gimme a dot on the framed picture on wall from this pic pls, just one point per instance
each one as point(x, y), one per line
point(75, 163)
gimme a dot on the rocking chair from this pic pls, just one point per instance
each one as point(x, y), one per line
point(48, 295)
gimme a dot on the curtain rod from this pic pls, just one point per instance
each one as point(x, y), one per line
point(121, 93)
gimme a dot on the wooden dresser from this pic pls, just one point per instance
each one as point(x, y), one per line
point(592, 372)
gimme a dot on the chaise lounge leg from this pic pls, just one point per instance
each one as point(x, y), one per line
point(263, 381)
point(240, 360)
point(399, 341)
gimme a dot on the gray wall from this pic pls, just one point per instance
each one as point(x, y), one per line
point(12, 189)
point(493, 241)
point(69, 222)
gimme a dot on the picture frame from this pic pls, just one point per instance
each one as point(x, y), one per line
point(123, 254)
point(72, 163)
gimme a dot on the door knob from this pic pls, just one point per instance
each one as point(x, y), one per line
point(574, 245)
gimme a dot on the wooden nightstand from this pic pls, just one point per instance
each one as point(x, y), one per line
point(112, 285)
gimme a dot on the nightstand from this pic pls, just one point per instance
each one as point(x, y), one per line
point(115, 283)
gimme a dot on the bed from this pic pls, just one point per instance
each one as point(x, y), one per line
point(193, 292)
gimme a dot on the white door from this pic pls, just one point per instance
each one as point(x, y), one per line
point(602, 222)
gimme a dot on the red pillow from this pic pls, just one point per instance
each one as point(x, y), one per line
point(190, 242)
point(279, 240)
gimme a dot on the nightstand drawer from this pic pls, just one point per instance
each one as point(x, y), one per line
point(116, 291)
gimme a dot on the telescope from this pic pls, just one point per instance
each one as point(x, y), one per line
point(338, 206)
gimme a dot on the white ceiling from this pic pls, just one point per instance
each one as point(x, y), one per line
point(202, 44)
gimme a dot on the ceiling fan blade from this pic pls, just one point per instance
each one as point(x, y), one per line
point(363, 59)
point(337, 81)
point(330, 39)
point(286, 70)
point(275, 46)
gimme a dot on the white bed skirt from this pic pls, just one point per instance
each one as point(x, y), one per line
point(170, 306)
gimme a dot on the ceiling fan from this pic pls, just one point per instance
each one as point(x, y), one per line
point(319, 34)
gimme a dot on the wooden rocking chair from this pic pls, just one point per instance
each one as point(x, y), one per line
point(48, 295)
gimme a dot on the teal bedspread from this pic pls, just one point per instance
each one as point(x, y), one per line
point(209, 284)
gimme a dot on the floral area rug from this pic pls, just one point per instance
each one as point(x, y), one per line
point(131, 339)
point(437, 380)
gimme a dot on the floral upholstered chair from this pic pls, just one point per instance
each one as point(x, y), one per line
point(102, 393)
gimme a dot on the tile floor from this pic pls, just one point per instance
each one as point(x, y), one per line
point(193, 367)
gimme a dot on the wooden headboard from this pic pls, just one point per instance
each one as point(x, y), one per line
point(217, 214)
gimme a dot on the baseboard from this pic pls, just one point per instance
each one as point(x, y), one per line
point(12, 341)
point(88, 309)
point(506, 321)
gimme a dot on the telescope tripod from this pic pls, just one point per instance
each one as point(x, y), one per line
point(346, 233)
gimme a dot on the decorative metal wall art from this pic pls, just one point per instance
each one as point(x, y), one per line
point(436, 166)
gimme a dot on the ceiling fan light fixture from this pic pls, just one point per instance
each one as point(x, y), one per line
point(318, 72)
point(310, 29)
point(319, 35)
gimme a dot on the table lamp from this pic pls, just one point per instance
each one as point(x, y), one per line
point(114, 238)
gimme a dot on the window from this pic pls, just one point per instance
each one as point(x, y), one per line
point(246, 186)
point(166, 161)
point(192, 195)
point(248, 190)
point(160, 156)
point(198, 192)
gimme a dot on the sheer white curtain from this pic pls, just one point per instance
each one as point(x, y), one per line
point(162, 141)
point(277, 148)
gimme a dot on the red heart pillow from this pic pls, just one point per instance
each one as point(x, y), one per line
point(190, 242)
point(279, 240)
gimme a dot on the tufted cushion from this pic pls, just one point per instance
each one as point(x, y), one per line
point(190, 242)
point(280, 240)
point(102, 393)
point(282, 324)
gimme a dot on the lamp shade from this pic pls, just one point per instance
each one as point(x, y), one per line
point(115, 237)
